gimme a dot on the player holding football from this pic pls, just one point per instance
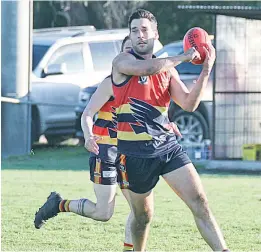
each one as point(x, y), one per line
point(143, 87)
point(101, 141)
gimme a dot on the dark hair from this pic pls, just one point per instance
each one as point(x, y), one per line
point(124, 41)
point(140, 13)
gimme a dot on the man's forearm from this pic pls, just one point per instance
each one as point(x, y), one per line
point(87, 125)
point(164, 64)
point(195, 95)
point(155, 66)
point(149, 66)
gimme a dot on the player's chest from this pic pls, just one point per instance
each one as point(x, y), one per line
point(156, 83)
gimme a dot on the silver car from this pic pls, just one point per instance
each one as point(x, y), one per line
point(62, 66)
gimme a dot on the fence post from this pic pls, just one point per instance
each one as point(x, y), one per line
point(16, 25)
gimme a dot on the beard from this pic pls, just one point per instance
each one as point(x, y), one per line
point(145, 48)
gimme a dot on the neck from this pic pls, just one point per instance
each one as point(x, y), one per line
point(144, 56)
point(147, 56)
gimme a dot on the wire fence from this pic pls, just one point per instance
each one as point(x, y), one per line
point(237, 91)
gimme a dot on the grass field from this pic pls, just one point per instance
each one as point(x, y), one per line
point(27, 181)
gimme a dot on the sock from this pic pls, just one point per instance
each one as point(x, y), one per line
point(64, 206)
point(128, 247)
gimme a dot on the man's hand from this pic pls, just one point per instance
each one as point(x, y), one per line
point(172, 127)
point(191, 54)
point(91, 144)
point(210, 58)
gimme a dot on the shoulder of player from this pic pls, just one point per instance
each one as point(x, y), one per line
point(173, 72)
point(107, 79)
point(106, 82)
point(122, 57)
point(104, 90)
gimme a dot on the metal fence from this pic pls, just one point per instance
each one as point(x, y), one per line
point(237, 88)
point(199, 151)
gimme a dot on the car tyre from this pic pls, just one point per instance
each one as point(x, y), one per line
point(193, 126)
point(54, 140)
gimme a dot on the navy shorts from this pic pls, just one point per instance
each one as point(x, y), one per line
point(141, 175)
point(102, 172)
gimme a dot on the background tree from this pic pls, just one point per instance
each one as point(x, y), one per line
point(173, 23)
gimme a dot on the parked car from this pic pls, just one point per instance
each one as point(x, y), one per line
point(63, 63)
point(195, 127)
point(84, 98)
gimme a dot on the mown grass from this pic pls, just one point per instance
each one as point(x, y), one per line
point(27, 181)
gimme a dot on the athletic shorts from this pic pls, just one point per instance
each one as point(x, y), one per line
point(102, 172)
point(141, 175)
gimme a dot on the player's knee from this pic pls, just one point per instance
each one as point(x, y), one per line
point(106, 217)
point(144, 218)
point(104, 214)
point(200, 205)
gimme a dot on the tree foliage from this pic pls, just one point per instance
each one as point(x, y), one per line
point(172, 23)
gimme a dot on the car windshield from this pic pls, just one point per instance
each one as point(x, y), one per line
point(183, 68)
point(103, 54)
point(38, 53)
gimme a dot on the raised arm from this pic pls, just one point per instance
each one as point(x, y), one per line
point(98, 99)
point(127, 64)
point(189, 100)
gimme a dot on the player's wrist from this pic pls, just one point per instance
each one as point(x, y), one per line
point(206, 70)
point(183, 57)
point(88, 137)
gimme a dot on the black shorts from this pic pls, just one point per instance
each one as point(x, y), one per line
point(102, 172)
point(140, 175)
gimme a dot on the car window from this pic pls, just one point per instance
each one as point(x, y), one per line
point(38, 53)
point(102, 54)
point(189, 68)
point(118, 44)
point(71, 55)
point(183, 68)
point(171, 50)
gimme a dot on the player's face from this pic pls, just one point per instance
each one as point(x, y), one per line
point(127, 46)
point(143, 32)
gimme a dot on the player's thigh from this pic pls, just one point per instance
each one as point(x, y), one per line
point(104, 177)
point(186, 182)
point(105, 195)
point(125, 193)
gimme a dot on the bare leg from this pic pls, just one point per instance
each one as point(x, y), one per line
point(142, 206)
point(102, 210)
point(186, 183)
point(128, 238)
point(128, 245)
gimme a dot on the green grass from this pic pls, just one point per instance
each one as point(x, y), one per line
point(56, 158)
point(27, 181)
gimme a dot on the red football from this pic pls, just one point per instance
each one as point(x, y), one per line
point(196, 37)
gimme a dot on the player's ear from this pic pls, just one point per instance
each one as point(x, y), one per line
point(156, 34)
point(155, 30)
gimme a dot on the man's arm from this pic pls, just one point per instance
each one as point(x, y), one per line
point(127, 64)
point(189, 100)
point(98, 99)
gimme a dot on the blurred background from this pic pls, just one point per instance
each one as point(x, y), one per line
point(55, 53)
